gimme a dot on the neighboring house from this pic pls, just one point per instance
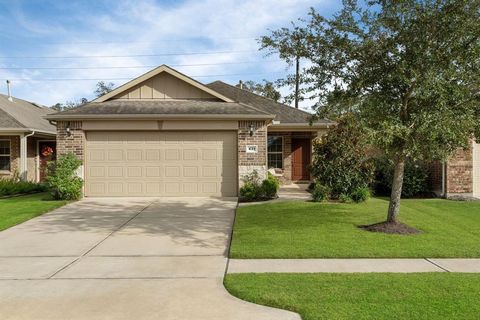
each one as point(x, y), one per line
point(460, 175)
point(27, 139)
point(165, 134)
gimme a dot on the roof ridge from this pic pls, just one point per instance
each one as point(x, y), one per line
point(260, 96)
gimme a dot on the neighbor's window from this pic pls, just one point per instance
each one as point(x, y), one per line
point(4, 155)
point(275, 152)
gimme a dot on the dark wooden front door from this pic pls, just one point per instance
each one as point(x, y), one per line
point(300, 159)
point(46, 152)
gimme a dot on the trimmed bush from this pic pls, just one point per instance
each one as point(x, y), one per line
point(360, 195)
point(62, 180)
point(415, 180)
point(320, 193)
point(250, 191)
point(270, 186)
point(254, 189)
point(13, 186)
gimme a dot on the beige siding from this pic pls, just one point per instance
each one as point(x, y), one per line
point(476, 170)
point(163, 86)
point(200, 163)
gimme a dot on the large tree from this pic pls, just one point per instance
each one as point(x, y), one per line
point(265, 88)
point(409, 70)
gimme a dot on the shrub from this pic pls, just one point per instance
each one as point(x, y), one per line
point(250, 191)
point(270, 188)
point(360, 195)
point(12, 186)
point(342, 160)
point(255, 189)
point(415, 180)
point(320, 193)
point(62, 179)
point(345, 198)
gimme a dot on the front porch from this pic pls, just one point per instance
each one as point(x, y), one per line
point(289, 155)
point(25, 155)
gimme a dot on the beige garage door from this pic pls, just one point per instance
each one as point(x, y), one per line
point(161, 164)
point(476, 170)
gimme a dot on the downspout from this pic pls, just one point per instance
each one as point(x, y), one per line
point(23, 155)
point(443, 179)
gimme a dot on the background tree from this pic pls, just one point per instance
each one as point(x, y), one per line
point(103, 88)
point(265, 88)
point(409, 70)
point(59, 106)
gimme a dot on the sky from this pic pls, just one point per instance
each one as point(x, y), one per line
point(56, 51)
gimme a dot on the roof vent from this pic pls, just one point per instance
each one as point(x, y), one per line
point(8, 90)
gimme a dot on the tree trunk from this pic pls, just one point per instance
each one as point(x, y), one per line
point(397, 183)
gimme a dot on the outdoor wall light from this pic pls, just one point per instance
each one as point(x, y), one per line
point(251, 129)
point(67, 129)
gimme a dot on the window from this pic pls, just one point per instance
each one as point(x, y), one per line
point(275, 152)
point(4, 155)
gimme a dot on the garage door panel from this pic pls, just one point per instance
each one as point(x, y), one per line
point(161, 164)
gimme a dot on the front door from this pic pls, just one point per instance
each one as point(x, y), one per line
point(300, 159)
point(46, 153)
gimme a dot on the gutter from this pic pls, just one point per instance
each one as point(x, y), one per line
point(25, 130)
point(301, 125)
point(159, 117)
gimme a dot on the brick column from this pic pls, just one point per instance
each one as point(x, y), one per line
point(71, 143)
point(459, 172)
point(247, 162)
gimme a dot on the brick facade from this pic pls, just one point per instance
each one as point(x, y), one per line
point(247, 162)
point(459, 172)
point(70, 143)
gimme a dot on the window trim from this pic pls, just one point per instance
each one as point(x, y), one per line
point(275, 152)
point(9, 155)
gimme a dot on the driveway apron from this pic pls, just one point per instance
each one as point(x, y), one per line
point(123, 258)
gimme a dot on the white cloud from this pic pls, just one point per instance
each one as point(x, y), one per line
point(146, 27)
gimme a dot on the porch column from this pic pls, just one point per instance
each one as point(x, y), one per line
point(23, 157)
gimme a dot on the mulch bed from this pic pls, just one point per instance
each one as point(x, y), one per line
point(390, 228)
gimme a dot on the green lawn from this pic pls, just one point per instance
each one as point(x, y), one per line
point(363, 296)
point(20, 209)
point(328, 230)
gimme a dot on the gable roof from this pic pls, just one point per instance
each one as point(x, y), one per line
point(21, 114)
point(283, 113)
point(153, 73)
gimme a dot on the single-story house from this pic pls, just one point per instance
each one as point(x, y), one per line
point(165, 134)
point(27, 139)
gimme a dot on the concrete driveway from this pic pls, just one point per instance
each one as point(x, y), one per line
point(123, 259)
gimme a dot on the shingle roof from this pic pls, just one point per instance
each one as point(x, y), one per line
point(163, 107)
point(282, 112)
point(23, 114)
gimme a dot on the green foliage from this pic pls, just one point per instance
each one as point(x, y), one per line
point(341, 161)
point(320, 193)
point(360, 195)
point(266, 89)
point(408, 70)
point(345, 198)
point(254, 188)
point(62, 179)
point(415, 180)
point(12, 186)
point(250, 191)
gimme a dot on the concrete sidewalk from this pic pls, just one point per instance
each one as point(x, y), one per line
point(352, 265)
